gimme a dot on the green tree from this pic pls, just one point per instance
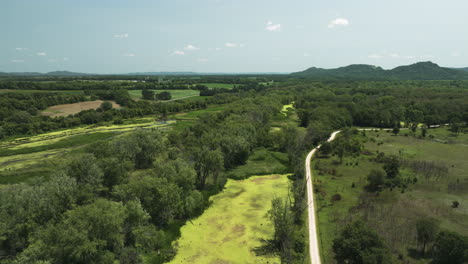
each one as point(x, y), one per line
point(427, 230)
point(106, 106)
point(450, 248)
point(89, 234)
point(358, 244)
point(396, 130)
point(392, 166)
point(283, 223)
point(376, 179)
point(164, 96)
point(207, 162)
point(147, 94)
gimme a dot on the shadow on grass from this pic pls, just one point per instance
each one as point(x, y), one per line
point(268, 247)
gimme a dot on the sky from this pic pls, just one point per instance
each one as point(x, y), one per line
point(122, 36)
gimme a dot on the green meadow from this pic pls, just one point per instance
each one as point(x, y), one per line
point(234, 225)
point(394, 211)
point(176, 94)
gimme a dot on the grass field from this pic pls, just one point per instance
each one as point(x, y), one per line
point(234, 225)
point(394, 212)
point(75, 108)
point(176, 94)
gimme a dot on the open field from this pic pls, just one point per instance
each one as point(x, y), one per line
point(75, 108)
point(176, 94)
point(233, 225)
point(394, 212)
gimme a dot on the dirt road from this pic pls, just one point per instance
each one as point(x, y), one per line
point(313, 236)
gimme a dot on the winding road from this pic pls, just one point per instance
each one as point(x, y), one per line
point(313, 236)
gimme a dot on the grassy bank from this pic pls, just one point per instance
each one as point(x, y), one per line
point(234, 225)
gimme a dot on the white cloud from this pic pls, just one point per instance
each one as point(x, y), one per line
point(339, 22)
point(455, 54)
point(270, 26)
point(124, 35)
point(21, 49)
point(65, 59)
point(191, 47)
point(52, 60)
point(217, 48)
point(306, 54)
point(129, 55)
point(234, 45)
point(17, 61)
point(41, 53)
point(178, 52)
point(203, 60)
point(375, 56)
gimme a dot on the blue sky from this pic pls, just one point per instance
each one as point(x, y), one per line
point(118, 36)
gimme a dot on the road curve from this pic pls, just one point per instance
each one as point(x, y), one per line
point(313, 236)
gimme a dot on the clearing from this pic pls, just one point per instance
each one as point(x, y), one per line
point(234, 225)
point(75, 108)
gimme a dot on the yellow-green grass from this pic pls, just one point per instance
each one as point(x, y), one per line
point(54, 137)
point(286, 108)
point(219, 85)
point(261, 162)
point(66, 142)
point(423, 198)
point(234, 225)
point(176, 94)
point(20, 161)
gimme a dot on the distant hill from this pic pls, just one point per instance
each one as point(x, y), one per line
point(418, 71)
point(462, 69)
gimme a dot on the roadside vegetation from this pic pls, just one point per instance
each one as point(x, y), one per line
point(404, 187)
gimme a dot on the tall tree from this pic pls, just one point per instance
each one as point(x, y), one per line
point(427, 230)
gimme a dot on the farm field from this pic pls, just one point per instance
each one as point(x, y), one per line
point(234, 225)
point(396, 211)
point(176, 94)
point(75, 108)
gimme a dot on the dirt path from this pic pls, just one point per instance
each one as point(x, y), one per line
point(313, 236)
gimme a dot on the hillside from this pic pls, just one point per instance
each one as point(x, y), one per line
point(418, 71)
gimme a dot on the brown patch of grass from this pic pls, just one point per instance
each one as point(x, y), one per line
point(262, 179)
point(219, 261)
point(71, 109)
